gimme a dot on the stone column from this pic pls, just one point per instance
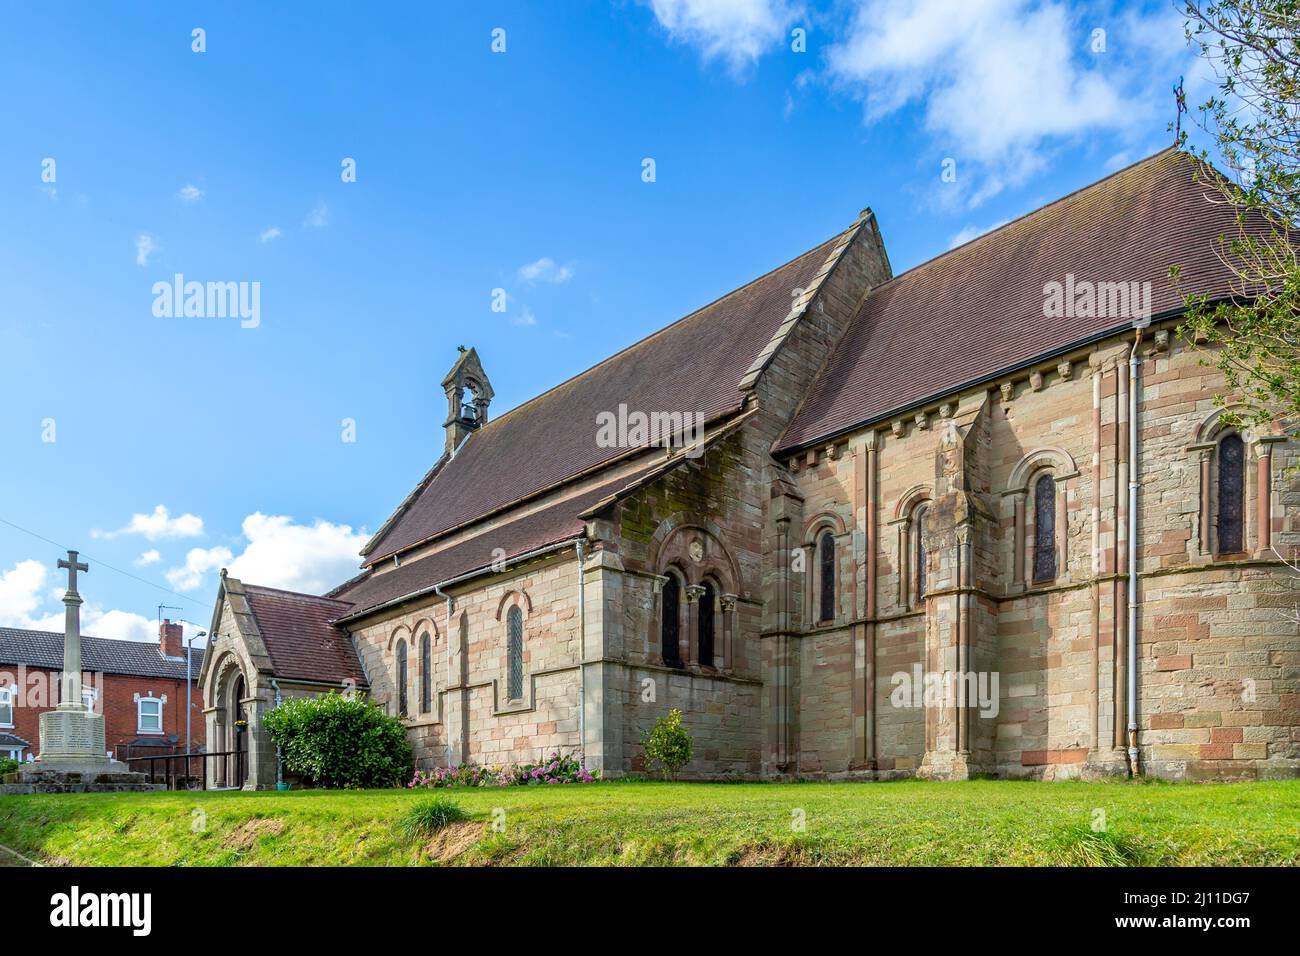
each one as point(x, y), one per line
point(1204, 536)
point(605, 687)
point(728, 632)
point(864, 674)
point(1018, 538)
point(692, 638)
point(1264, 494)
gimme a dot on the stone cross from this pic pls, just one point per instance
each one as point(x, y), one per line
point(73, 566)
point(71, 697)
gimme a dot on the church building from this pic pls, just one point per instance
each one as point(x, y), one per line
point(980, 517)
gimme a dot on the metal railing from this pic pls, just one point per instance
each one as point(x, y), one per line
point(178, 771)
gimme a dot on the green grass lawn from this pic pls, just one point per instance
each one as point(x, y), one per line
point(902, 823)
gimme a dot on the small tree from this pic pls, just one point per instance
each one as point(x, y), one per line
point(338, 741)
point(1253, 338)
point(668, 744)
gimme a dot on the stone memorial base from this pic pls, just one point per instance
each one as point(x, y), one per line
point(73, 759)
point(38, 779)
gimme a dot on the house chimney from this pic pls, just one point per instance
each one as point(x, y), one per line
point(171, 637)
point(468, 395)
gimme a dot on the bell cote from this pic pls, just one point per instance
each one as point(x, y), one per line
point(468, 395)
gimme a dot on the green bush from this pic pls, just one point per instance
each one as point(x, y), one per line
point(337, 741)
point(668, 745)
point(8, 765)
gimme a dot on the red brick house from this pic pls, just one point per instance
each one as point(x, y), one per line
point(139, 688)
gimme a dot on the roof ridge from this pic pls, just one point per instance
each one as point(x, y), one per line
point(297, 594)
point(1032, 212)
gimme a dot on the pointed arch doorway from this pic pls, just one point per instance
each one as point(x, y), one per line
point(237, 771)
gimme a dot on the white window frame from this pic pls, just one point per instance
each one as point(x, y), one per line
point(139, 714)
point(7, 694)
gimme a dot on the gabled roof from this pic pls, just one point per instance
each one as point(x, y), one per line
point(694, 365)
point(977, 310)
point(298, 635)
point(99, 654)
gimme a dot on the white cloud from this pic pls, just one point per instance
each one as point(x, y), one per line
point(21, 601)
point(998, 82)
point(147, 558)
point(198, 561)
point(545, 270)
point(145, 246)
point(525, 317)
point(159, 525)
point(737, 31)
point(973, 232)
point(266, 235)
point(116, 625)
point(190, 193)
point(319, 217)
point(20, 589)
point(308, 558)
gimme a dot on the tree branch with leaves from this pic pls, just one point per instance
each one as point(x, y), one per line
point(1253, 334)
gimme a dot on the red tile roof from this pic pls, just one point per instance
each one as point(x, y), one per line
point(302, 642)
point(977, 310)
point(694, 365)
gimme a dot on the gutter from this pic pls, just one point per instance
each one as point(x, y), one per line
point(1134, 369)
point(582, 657)
point(446, 599)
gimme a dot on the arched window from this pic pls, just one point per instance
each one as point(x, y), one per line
point(826, 572)
point(515, 653)
point(401, 678)
point(918, 520)
point(426, 675)
point(1232, 485)
point(708, 601)
point(1044, 529)
point(670, 621)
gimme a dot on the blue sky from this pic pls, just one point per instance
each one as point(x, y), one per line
point(181, 445)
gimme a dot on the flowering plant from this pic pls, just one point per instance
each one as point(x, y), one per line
point(557, 768)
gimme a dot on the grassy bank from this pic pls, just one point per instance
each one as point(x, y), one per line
point(903, 823)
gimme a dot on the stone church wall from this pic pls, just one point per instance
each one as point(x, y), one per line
point(1217, 657)
point(703, 520)
point(470, 708)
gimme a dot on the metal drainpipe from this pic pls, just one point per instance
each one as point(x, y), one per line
point(1133, 482)
point(446, 598)
point(582, 657)
point(279, 763)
